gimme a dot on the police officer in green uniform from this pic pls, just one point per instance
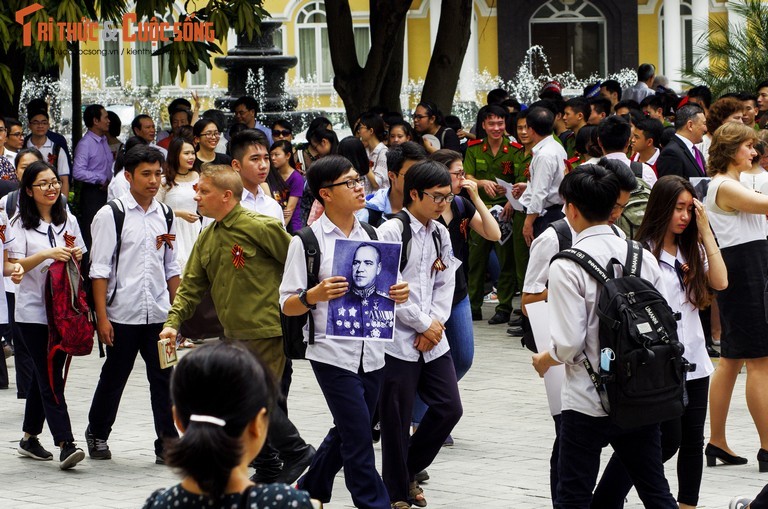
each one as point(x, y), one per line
point(365, 311)
point(523, 156)
point(486, 160)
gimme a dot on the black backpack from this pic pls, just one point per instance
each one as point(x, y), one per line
point(644, 382)
point(294, 346)
point(407, 233)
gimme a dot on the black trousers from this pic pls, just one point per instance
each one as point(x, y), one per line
point(22, 360)
point(583, 437)
point(686, 434)
point(436, 384)
point(130, 340)
point(92, 198)
point(43, 402)
point(541, 223)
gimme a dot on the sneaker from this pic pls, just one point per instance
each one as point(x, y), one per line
point(98, 449)
point(448, 442)
point(31, 448)
point(71, 455)
point(491, 297)
point(739, 503)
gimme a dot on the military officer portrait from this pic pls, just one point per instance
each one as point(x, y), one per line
point(366, 311)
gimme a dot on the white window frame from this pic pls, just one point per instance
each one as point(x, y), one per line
point(120, 59)
point(687, 17)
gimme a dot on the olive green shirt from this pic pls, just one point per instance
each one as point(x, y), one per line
point(483, 165)
point(246, 297)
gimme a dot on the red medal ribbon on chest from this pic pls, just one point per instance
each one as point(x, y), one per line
point(69, 240)
point(527, 172)
point(165, 238)
point(463, 227)
point(238, 260)
point(506, 168)
point(2, 233)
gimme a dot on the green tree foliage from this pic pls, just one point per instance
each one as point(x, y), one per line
point(738, 55)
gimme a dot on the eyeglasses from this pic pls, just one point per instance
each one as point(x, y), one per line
point(18, 134)
point(38, 122)
point(419, 117)
point(280, 132)
point(3, 129)
point(460, 173)
point(439, 198)
point(351, 184)
point(212, 134)
point(619, 206)
point(44, 186)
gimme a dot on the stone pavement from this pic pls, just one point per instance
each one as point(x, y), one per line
point(500, 460)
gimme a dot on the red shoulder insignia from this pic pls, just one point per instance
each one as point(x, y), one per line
point(516, 145)
point(474, 142)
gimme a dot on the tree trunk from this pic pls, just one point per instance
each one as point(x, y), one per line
point(392, 86)
point(450, 46)
point(9, 105)
point(77, 98)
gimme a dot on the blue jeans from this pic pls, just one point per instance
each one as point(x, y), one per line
point(461, 339)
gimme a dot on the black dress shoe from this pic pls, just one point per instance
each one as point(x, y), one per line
point(515, 331)
point(515, 321)
point(712, 352)
point(714, 453)
point(762, 460)
point(293, 468)
point(477, 315)
point(518, 312)
point(498, 318)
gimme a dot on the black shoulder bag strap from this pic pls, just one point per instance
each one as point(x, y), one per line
point(370, 230)
point(119, 215)
point(406, 236)
point(564, 235)
point(312, 256)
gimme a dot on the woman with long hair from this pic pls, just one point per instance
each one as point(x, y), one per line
point(43, 231)
point(286, 185)
point(323, 142)
point(207, 136)
point(400, 132)
point(676, 230)
point(370, 129)
point(222, 397)
point(737, 216)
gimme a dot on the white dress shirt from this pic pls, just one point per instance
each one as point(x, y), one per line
point(651, 160)
point(574, 325)
point(342, 353)
point(431, 292)
point(547, 171)
point(62, 164)
point(30, 301)
point(649, 176)
point(689, 329)
point(637, 92)
point(10, 155)
point(378, 159)
point(143, 270)
point(7, 233)
point(118, 186)
point(262, 204)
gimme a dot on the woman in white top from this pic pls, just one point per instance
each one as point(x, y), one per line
point(737, 216)
point(370, 130)
point(43, 231)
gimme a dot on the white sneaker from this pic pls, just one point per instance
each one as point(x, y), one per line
point(739, 502)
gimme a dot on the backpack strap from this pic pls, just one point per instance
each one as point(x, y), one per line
point(406, 236)
point(370, 230)
point(460, 206)
point(586, 262)
point(564, 235)
point(312, 256)
point(637, 168)
point(168, 212)
point(11, 203)
point(118, 211)
point(634, 258)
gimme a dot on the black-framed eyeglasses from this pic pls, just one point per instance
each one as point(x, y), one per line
point(351, 184)
point(212, 134)
point(460, 173)
point(39, 122)
point(19, 134)
point(440, 198)
point(44, 186)
point(419, 117)
point(281, 132)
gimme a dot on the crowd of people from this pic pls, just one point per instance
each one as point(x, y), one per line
point(202, 231)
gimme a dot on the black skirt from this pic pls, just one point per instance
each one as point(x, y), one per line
point(743, 309)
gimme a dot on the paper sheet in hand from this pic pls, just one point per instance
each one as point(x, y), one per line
point(538, 314)
point(508, 192)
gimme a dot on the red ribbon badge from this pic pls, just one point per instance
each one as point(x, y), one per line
point(165, 238)
point(2, 233)
point(569, 164)
point(237, 257)
point(506, 168)
point(463, 227)
point(527, 172)
point(69, 240)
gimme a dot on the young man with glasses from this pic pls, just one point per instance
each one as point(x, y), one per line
point(348, 371)
point(15, 133)
point(54, 153)
point(418, 361)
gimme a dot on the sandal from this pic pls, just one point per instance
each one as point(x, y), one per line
point(400, 505)
point(188, 344)
point(416, 495)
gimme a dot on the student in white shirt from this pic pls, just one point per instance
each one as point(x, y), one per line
point(250, 158)
point(585, 429)
point(43, 231)
point(613, 135)
point(349, 371)
point(418, 360)
point(132, 297)
point(673, 224)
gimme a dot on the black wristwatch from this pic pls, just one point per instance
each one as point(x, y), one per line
point(303, 299)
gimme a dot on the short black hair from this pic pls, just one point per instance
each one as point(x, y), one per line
point(179, 103)
point(743, 96)
point(141, 154)
point(612, 86)
point(240, 142)
point(373, 121)
point(583, 138)
point(651, 128)
point(218, 116)
point(579, 105)
point(627, 103)
point(324, 171)
point(493, 110)
point(186, 111)
point(511, 103)
point(406, 151)
point(593, 190)
point(424, 175)
point(600, 105)
point(666, 136)
point(283, 122)
point(613, 133)
point(115, 124)
point(136, 122)
point(91, 113)
point(686, 113)
point(701, 92)
point(554, 105)
point(249, 102)
point(645, 72)
point(627, 179)
point(11, 122)
point(496, 96)
point(655, 101)
point(541, 120)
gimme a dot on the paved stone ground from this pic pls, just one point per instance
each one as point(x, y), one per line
point(500, 460)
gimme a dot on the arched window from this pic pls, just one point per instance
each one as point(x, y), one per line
point(573, 35)
point(686, 37)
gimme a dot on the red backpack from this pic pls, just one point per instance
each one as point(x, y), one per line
point(70, 325)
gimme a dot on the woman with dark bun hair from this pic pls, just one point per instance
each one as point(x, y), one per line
point(222, 397)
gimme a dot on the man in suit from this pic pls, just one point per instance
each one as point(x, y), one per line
point(680, 156)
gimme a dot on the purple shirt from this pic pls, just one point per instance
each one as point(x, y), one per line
point(93, 160)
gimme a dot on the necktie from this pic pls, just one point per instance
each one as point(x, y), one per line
point(699, 160)
point(681, 270)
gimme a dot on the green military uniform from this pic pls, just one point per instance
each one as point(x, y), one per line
point(481, 164)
